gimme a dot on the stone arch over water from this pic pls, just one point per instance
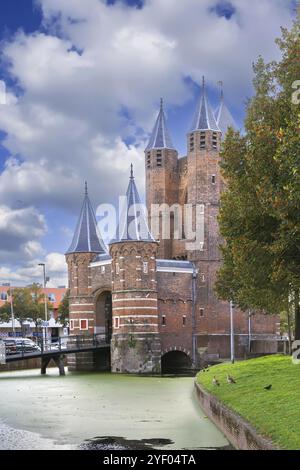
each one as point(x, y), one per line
point(176, 361)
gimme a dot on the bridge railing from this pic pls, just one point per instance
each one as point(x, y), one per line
point(64, 344)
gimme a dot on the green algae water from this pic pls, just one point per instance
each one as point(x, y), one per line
point(102, 411)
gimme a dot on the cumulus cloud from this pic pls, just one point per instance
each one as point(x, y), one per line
point(31, 272)
point(90, 83)
point(20, 230)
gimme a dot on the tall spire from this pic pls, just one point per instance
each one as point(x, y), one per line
point(160, 137)
point(204, 119)
point(133, 225)
point(87, 238)
point(223, 116)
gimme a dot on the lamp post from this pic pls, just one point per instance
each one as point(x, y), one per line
point(249, 331)
point(46, 305)
point(231, 333)
point(12, 310)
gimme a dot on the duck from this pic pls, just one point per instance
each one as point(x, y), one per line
point(215, 381)
point(230, 379)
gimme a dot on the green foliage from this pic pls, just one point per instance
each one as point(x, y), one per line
point(28, 304)
point(274, 413)
point(63, 309)
point(259, 217)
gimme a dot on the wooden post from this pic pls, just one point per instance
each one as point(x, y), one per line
point(45, 363)
point(59, 361)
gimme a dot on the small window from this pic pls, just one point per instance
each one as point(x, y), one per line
point(163, 320)
point(148, 159)
point(117, 268)
point(202, 277)
point(84, 325)
point(117, 322)
point(184, 320)
point(103, 269)
point(159, 158)
point(51, 297)
point(215, 140)
point(71, 325)
point(192, 143)
point(213, 179)
point(201, 312)
point(145, 267)
point(202, 140)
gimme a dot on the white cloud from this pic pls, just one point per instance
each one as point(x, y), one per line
point(20, 230)
point(93, 80)
point(109, 59)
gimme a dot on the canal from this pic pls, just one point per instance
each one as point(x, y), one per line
point(102, 411)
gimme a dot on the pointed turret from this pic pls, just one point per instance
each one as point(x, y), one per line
point(87, 238)
point(133, 225)
point(160, 137)
point(204, 119)
point(224, 117)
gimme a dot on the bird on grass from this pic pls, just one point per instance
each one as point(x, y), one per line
point(268, 387)
point(230, 379)
point(215, 381)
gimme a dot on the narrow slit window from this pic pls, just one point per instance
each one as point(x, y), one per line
point(148, 160)
point(215, 140)
point(117, 322)
point(163, 320)
point(213, 179)
point(201, 312)
point(145, 267)
point(202, 140)
point(184, 320)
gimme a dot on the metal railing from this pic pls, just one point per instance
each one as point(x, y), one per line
point(63, 345)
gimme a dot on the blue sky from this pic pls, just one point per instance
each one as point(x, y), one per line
point(84, 81)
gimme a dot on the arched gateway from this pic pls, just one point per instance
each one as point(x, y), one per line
point(103, 308)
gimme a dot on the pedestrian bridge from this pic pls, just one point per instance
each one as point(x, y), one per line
point(56, 351)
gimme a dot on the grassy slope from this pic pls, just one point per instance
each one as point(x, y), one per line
point(274, 413)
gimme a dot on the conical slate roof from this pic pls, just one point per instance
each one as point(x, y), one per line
point(204, 119)
point(224, 117)
point(160, 137)
point(133, 224)
point(87, 238)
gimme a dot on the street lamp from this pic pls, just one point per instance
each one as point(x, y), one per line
point(12, 309)
point(46, 303)
point(231, 333)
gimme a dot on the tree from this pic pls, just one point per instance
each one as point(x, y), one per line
point(28, 305)
point(63, 309)
point(37, 307)
point(259, 217)
point(22, 304)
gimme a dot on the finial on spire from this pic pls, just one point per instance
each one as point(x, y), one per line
point(203, 81)
point(86, 188)
point(161, 103)
point(220, 83)
point(131, 172)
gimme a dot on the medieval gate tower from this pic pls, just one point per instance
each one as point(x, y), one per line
point(153, 300)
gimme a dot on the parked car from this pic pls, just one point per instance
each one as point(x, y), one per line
point(19, 345)
point(10, 346)
point(59, 344)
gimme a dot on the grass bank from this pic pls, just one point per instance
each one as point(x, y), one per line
point(274, 413)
